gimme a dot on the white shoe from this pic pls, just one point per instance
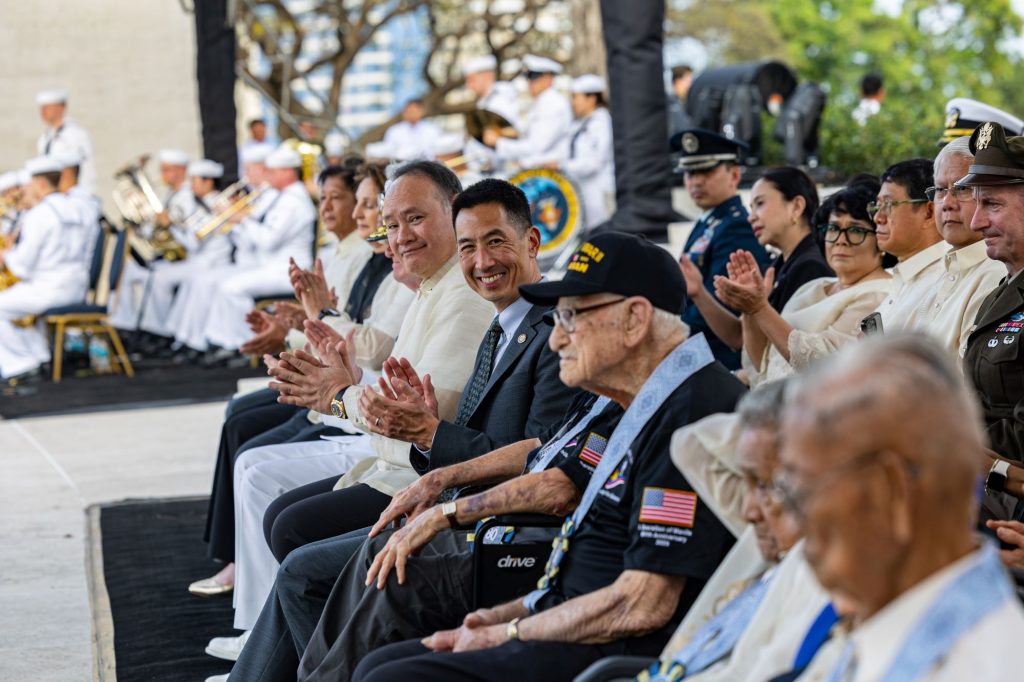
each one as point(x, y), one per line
point(227, 648)
point(217, 678)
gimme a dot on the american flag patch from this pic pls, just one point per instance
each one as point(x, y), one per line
point(668, 507)
point(593, 449)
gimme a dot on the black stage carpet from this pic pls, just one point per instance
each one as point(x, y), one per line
point(156, 383)
point(152, 550)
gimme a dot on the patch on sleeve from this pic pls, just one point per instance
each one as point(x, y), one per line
point(668, 507)
point(593, 449)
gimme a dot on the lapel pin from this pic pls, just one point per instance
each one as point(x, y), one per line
point(521, 338)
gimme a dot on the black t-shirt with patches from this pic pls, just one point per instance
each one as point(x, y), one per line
point(647, 516)
point(588, 444)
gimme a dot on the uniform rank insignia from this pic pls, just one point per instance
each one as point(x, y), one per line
point(593, 449)
point(668, 507)
point(984, 137)
point(1011, 326)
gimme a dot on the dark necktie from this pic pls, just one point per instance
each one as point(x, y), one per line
point(475, 391)
point(471, 396)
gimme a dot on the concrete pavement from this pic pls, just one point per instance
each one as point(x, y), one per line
point(52, 469)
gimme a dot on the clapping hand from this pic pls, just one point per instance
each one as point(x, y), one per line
point(744, 289)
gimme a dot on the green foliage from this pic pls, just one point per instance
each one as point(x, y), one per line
point(928, 51)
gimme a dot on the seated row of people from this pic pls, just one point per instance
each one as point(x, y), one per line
point(635, 438)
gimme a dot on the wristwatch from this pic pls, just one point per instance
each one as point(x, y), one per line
point(448, 509)
point(338, 406)
point(512, 628)
point(997, 476)
point(328, 312)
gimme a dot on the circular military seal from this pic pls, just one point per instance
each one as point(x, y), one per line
point(554, 207)
point(690, 143)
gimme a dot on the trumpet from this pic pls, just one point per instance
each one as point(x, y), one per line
point(221, 220)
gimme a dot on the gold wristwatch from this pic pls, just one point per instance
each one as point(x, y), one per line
point(448, 509)
point(512, 629)
point(338, 406)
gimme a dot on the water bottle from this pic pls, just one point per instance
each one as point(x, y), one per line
point(74, 342)
point(99, 355)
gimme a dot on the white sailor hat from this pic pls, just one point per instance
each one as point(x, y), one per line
point(534, 64)
point(55, 96)
point(963, 115)
point(447, 144)
point(590, 84)
point(487, 62)
point(9, 180)
point(334, 145)
point(256, 153)
point(23, 176)
point(172, 157)
point(205, 168)
point(43, 164)
point(283, 157)
point(68, 158)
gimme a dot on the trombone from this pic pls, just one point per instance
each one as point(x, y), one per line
point(221, 220)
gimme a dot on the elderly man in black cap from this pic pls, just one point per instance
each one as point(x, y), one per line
point(712, 175)
point(638, 546)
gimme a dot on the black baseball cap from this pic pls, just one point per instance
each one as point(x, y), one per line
point(617, 263)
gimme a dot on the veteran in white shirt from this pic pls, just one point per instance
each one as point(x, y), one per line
point(544, 135)
point(63, 134)
point(884, 488)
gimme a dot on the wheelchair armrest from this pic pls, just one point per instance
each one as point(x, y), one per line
point(615, 669)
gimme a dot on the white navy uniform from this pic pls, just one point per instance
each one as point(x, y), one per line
point(591, 163)
point(71, 137)
point(125, 308)
point(504, 101)
point(212, 310)
point(544, 136)
point(90, 209)
point(406, 141)
point(212, 253)
point(48, 260)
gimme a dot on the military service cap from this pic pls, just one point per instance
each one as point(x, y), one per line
point(703, 149)
point(998, 159)
point(963, 115)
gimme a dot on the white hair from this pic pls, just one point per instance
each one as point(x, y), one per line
point(960, 147)
point(664, 324)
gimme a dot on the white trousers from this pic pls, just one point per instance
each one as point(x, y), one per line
point(167, 279)
point(23, 349)
point(211, 307)
point(262, 475)
point(124, 308)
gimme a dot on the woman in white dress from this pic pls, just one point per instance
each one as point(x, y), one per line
point(823, 314)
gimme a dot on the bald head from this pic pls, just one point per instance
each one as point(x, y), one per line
point(881, 456)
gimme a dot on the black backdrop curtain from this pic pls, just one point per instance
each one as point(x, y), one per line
point(215, 76)
point(643, 178)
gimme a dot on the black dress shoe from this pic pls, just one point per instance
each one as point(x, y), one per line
point(187, 356)
point(218, 357)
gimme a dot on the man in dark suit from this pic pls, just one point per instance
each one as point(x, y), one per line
point(514, 394)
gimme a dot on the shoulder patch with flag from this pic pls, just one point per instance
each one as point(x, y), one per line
point(668, 507)
point(593, 449)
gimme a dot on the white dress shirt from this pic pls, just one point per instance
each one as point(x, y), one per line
point(969, 275)
point(71, 137)
point(544, 136)
point(914, 283)
point(591, 163)
point(439, 336)
point(987, 651)
point(406, 141)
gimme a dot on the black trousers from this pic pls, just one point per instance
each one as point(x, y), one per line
point(316, 511)
point(252, 421)
point(513, 661)
point(358, 619)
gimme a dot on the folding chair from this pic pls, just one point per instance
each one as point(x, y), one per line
point(91, 316)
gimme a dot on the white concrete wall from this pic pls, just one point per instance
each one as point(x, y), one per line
point(128, 64)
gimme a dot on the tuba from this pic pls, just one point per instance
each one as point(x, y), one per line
point(139, 205)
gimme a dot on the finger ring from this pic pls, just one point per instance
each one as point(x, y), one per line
point(377, 423)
